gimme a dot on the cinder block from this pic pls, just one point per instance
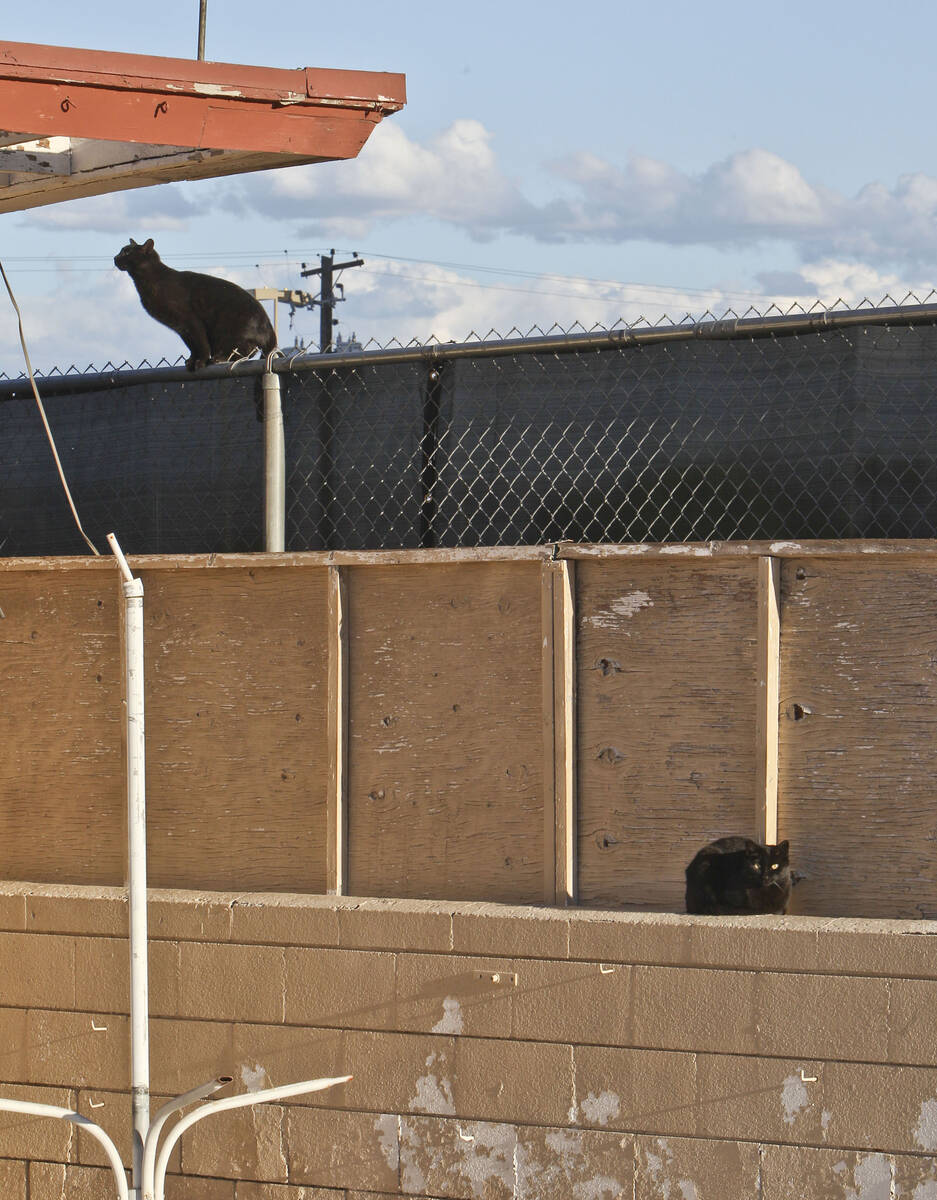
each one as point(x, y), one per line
point(677, 1008)
point(448, 994)
point(283, 920)
point(462, 1160)
point(888, 1108)
point(376, 924)
point(624, 937)
point(912, 1030)
point(349, 988)
point(244, 1143)
point(334, 1149)
point(55, 1181)
point(13, 1180)
point(231, 982)
point(188, 916)
point(286, 1191)
point(915, 1177)
point(821, 1016)
point(13, 1045)
point(66, 908)
point(102, 976)
point(705, 1170)
point(625, 1089)
point(28, 1137)
point(789, 1171)
point(556, 1164)
point(528, 933)
point(573, 1002)
point(762, 1099)
point(37, 970)
point(190, 1187)
point(186, 1053)
point(878, 947)
point(62, 1050)
point(12, 907)
point(271, 1055)
point(521, 1082)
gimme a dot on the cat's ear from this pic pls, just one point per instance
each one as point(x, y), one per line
point(132, 242)
point(148, 244)
point(782, 849)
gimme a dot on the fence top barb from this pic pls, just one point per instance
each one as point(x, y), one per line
point(726, 328)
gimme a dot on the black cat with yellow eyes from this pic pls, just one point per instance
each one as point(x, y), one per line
point(735, 876)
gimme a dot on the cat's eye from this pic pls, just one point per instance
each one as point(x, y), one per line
point(775, 866)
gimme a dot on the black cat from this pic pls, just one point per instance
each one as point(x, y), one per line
point(736, 875)
point(215, 318)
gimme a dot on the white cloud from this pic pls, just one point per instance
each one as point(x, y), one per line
point(154, 209)
point(749, 198)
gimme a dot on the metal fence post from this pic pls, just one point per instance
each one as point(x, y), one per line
point(274, 466)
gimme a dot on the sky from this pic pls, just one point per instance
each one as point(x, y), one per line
point(552, 166)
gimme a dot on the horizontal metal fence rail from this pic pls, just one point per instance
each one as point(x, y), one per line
point(801, 425)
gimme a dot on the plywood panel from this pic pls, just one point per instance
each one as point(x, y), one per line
point(666, 671)
point(445, 787)
point(237, 765)
point(61, 768)
point(858, 735)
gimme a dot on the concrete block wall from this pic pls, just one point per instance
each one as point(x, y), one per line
point(498, 1053)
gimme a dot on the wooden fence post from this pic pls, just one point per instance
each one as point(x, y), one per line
point(559, 719)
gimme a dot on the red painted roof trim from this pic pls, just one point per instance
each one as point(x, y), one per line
point(315, 112)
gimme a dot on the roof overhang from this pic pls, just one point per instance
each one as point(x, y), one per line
point(82, 122)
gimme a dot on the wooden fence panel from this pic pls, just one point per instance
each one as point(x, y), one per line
point(62, 775)
point(858, 734)
point(446, 742)
point(237, 759)
point(667, 718)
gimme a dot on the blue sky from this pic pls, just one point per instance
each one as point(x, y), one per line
point(553, 164)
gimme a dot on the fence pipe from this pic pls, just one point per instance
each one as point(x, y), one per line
point(243, 1101)
point(274, 466)
point(67, 1114)
point(136, 837)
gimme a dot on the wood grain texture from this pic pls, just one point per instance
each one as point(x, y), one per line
point(445, 779)
point(858, 735)
point(666, 703)
point(236, 670)
point(62, 776)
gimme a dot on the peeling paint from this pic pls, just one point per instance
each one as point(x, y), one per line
point(387, 1127)
point(794, 1098)
point(451, 1020)
point(873, 1179)
point(688, 1190)
point(215, 89)
point(600, 1187)
point(825, 1118)
point(624, 606)
point(433, 1095)
point(777, 547)
point(925, 1132)
point(254, 1078)
point(926, 1190)
point(599, 1110)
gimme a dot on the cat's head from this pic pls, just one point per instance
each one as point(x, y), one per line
point(766, 864)
point(134, 254)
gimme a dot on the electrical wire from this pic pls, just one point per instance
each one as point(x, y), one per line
point(42, 413)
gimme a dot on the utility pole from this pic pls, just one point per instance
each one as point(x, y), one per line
point(327, 298)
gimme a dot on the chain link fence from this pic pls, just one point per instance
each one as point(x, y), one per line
point(805, 425)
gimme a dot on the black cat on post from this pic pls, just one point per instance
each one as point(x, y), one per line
point(734, 875)
point(215, 318)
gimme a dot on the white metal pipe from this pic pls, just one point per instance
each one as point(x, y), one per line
point(245, 1100)
point(67, 1114)
point(156, 1125)
point(136, 837)
point(274, 466)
